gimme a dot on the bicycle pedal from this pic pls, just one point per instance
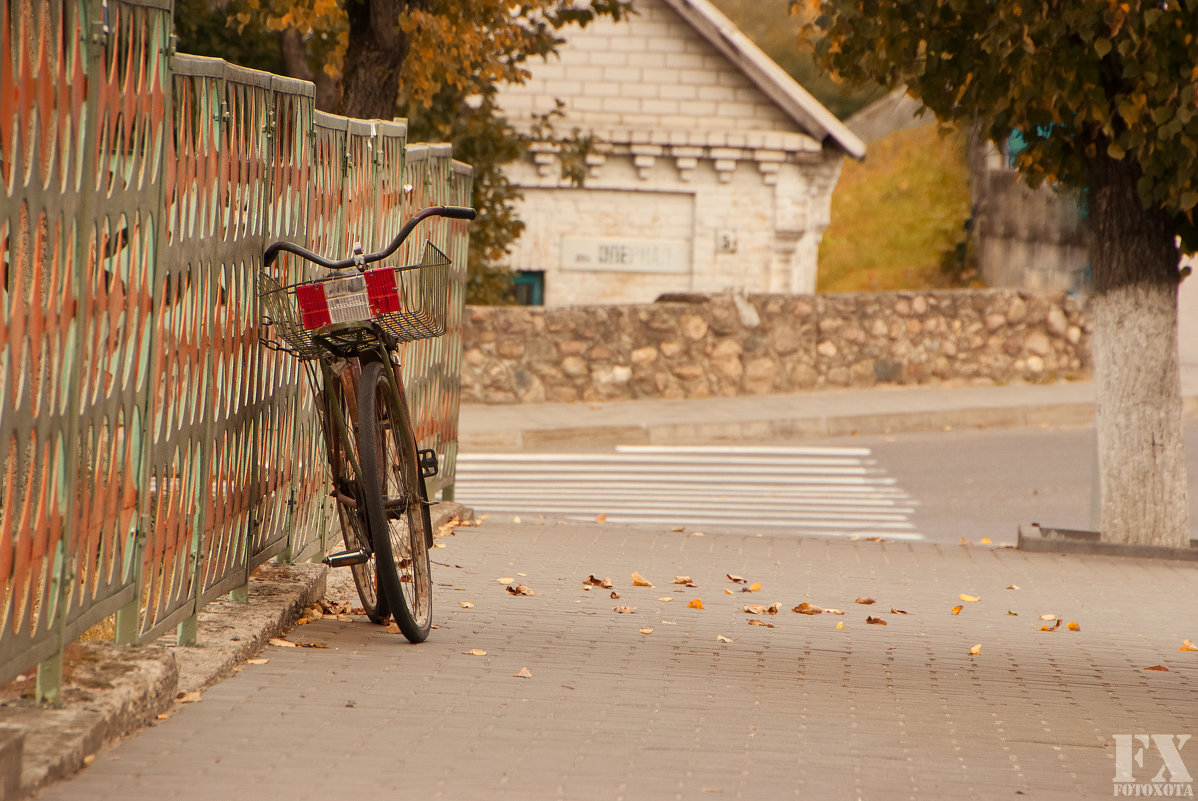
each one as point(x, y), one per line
point(427, 461)
point(347, 558)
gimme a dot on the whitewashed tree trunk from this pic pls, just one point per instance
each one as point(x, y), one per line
point(1138, 416)
point(1141, 453)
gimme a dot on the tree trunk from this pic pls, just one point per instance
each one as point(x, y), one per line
point(373, 60)
point(295, 62)
point(1141, 456)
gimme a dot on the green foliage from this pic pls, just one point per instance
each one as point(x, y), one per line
point(202, 28)
point(898, 218)
point(1085, 81)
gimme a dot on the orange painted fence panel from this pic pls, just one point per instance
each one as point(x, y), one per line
point(152, 453)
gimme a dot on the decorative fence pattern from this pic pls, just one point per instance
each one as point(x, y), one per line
point(152, 454)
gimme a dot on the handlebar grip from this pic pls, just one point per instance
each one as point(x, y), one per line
point(459, 212)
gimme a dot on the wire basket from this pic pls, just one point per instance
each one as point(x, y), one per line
point(408, 303)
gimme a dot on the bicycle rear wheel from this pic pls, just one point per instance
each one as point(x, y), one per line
point(399, 520)
point(354, 530)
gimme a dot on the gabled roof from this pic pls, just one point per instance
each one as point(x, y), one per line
point(771, 79)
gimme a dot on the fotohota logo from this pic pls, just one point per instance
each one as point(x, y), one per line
point(1172, 780)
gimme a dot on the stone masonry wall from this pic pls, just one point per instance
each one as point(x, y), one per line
point(697, 346)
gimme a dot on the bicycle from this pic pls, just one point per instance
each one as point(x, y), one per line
point(351, 326)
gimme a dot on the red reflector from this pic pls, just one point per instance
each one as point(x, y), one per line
point(313, 305)
point(380, 286)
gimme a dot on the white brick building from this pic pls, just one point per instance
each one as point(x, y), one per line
point(714, 169)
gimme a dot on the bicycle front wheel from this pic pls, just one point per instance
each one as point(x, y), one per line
point(353, 516)
point(399, 521)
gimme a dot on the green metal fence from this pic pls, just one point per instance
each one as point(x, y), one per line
point(152, 454)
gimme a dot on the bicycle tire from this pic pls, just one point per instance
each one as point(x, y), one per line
point(354, 529)
point(399, 519)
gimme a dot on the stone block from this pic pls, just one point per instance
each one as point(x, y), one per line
point(694, 327)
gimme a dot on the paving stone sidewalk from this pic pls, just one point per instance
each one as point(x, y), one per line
point(612, 710)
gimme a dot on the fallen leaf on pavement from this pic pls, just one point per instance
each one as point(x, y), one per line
point(753, 609)
point(696, 534)
point(840, 624)
point(1012, 614)
point(1012, 586)
point(736, 579)
point(722, 638)
point(678, 529)
point(807, 609)
point(754, 587)
point(728, 592)
point(1186, 645)
point(623, 610)
point(475, 652)
point(832, 611)
point(682, 580)
point(392, 628)
point(524, 673)
point(505, 580)
point(866, 600)
point(188, 698)
point(312, 645)
point(1051, 628)
point(1073, 626)
point(257, 661)
point(282, 643)
point(877, 621)
point(985, 540)
point(465, 604)
point(518, 589)
point(665, 599)
point(640, 581)
point(646, 631)
point(761, 623)
point(592, 581)
point(895, 611)
point(600, 518)
point(969, 598)
point(1048, 617)
point(695, 604)
point(1161, 668)
point(774, 608)
point(975, 650)
point(516, 519)
point(615, 596)
point(956, 610)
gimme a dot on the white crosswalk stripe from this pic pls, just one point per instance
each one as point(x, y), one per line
point(807, 491)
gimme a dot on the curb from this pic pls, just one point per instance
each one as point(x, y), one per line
point(684, 433)
point(1035, 538)
point(40, 744)
point(1064, 413)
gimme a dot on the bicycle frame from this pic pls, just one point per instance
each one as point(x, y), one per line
point(372, 346)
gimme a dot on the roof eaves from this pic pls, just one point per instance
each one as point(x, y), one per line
point(771, 79)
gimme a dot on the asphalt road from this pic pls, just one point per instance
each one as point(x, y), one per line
point(939, 486)
point(984, 483)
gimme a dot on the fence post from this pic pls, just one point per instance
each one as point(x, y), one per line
point(128, 617)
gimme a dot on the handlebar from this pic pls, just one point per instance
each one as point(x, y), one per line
point(361, 260)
